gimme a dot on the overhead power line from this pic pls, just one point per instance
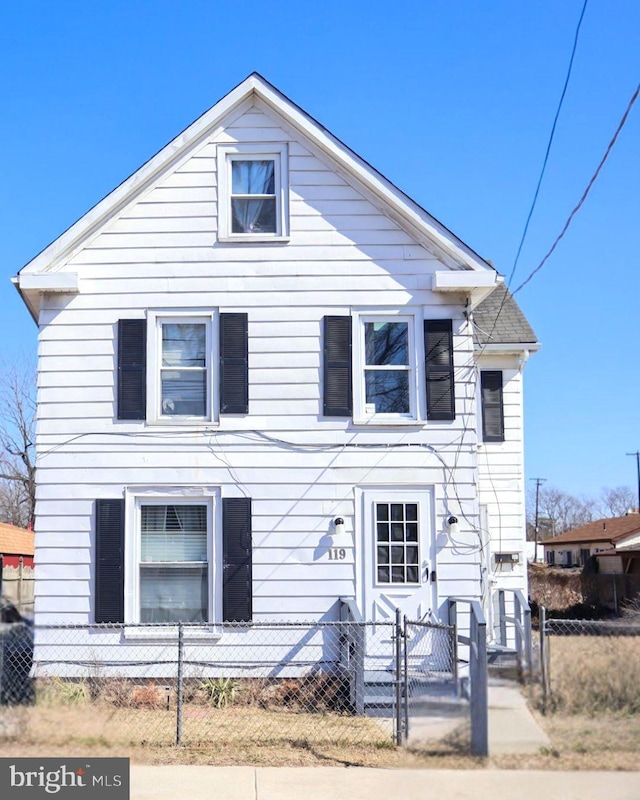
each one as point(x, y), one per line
point(549, 143)
point(593, 179)
point(544, 166)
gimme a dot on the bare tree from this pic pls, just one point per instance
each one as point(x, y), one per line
point(560, 511)
point(17, 450)
point(617, 501)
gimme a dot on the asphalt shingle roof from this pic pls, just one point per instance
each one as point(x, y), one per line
point(613, 529)
point(511, 326)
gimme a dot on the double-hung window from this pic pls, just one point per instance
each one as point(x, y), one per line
point(181, 384)
point(252, 192)
point(386, 380)
point(174, 572)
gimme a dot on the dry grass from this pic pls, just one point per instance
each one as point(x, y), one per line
point(607, 742)
point(147, 726)
point(593, 675)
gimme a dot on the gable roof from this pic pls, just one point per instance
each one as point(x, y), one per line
point(612, 529)
point(16, 541)
point(498, 320)
point(424, 227)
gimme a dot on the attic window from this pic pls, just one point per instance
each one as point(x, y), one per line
point(253, 193)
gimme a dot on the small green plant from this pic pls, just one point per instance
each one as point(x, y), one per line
point(220, 692)
point(68, 693)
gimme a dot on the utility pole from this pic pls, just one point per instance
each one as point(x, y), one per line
point(637, 455)
point(539, 482)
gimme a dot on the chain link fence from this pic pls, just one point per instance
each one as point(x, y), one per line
point(261, 682)
point(590, 665)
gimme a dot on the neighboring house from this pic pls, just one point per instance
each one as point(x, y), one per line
point(613, 536)
point(269, 381)
point(16, 565)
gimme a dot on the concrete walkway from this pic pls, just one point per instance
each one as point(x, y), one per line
point(512, 727)
point(361, 783)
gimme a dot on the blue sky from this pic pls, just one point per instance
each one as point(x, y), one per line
point(453, 102)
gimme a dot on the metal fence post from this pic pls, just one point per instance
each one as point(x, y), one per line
point(406, 678)
point(179, 687)
point(398, 715)
point(543, 658)
point(528, 644)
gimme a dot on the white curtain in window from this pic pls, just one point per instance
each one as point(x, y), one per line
point(251, 215)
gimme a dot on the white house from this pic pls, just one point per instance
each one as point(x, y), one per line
point(268, 381)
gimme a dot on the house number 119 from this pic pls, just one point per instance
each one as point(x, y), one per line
point(337, 554)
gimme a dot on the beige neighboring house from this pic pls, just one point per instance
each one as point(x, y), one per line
point(16, 565)
point(614, 541)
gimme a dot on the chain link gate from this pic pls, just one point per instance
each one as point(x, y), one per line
point(428, 668)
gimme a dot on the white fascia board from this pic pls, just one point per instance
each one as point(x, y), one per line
point(507, 348)
point(477, 285)
point(66, 282)
point(466, 281)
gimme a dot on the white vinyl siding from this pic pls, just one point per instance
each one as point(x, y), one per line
point(300, 469)
point(501, 475)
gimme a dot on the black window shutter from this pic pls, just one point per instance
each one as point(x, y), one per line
point(234, 364)
point(438, 345)
point(109, 600)
point(132, 368)
point(337, 367)
point(237, 557)
point(492, 406)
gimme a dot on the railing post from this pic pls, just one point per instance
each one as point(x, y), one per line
point(454, 658)
point(479, 686)
point(180, 681)
point(517, 615)
point(398, 681)
point(502, 614)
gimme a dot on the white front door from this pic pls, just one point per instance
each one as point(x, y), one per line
point(398, 553)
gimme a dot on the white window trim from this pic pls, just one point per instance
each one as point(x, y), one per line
point(137, 496)
point(155, 320)
point(416, 356)
point(227, 153)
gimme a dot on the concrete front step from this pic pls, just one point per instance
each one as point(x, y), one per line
point(426, 696)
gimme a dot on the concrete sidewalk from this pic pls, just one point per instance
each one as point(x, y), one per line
point(362, 783)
